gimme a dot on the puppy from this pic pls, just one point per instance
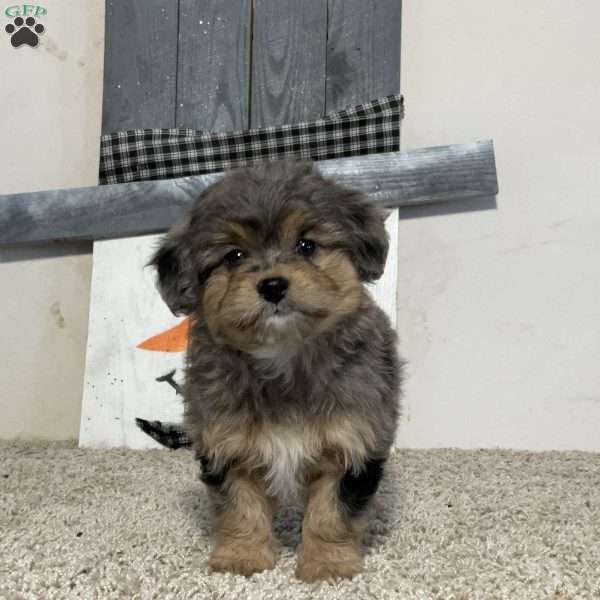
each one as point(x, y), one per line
point(292, 376)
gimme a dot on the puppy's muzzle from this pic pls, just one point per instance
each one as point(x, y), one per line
point(273, 289)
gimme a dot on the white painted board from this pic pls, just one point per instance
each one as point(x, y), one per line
point(125, 310)
point(120, 379)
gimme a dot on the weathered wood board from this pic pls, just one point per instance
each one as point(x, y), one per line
point(120, 379)
point(140, 64)
point(363, 51)
point(288, 62)
point(393, 180)
point(213, 65)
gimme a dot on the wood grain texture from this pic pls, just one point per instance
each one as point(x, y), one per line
point(213, 70)
point(363, 51)
point(288, 71)
point(423, 176)
point(396, 179)
point(140, 64)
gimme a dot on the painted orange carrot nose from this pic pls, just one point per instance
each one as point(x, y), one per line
point(171, 340)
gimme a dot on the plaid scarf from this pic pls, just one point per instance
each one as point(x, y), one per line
point(143, 154)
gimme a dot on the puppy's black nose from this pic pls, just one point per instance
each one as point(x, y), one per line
point(273, 289)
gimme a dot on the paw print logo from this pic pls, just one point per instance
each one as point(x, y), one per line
point(24, 31)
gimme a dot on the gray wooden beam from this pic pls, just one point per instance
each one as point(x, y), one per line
point(363, 51)
point(288, 62)
point(140, 64)
point(213, 70)
point(423, 176)
point(395, 179)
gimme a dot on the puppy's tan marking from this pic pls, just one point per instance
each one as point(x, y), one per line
point(235, 234)
point(294, 225)
point(231, 306)
point(350, 438)
point(244, 542)
point(331, 543)
point(329, 290)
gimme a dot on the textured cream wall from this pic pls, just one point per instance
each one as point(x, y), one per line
point(499, 311)
point(50, 113)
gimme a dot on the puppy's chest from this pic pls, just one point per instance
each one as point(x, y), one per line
point(285, 454)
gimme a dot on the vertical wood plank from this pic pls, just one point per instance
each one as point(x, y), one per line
point(363, 51)
point(288, 71)
point(140, 64)
point(213, 68)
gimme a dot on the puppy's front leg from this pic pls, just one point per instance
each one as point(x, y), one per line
point(244, 535)
point(334, 522)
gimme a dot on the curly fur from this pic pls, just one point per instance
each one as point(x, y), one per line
point(284, 400)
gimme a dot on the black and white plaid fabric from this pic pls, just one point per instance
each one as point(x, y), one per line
point(143, 154)
point(170, 435)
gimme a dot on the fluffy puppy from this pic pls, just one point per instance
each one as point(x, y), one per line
point(292, 375)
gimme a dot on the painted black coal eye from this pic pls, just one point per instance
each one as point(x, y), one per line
point(306, 247)
point(235, 257)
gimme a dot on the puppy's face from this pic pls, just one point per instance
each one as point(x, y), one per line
point(271, 256)
point(275, 283)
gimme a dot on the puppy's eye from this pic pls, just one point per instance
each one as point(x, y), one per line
point(235, 257)
point(306, 247)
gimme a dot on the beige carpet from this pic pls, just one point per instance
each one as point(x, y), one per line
point(451, 524)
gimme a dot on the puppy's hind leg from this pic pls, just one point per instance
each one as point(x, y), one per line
point(244, 537)
point(334, 523)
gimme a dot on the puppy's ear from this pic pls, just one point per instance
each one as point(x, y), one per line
point(177, 280)
point(351, 222)
point(370, 239)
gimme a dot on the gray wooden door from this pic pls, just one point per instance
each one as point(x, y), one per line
point(220, 65)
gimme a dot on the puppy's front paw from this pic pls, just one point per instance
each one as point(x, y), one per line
point(242, 560)
point(317, 568)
